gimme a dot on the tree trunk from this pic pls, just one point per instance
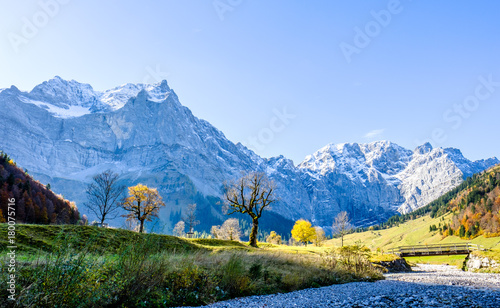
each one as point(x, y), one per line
point(102, 220)
point(141, 228)
point(342, 241)
point(253, 233)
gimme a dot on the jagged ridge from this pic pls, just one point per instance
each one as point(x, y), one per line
point(144, 133)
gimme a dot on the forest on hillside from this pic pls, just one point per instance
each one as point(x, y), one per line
point(476, 210)
point(34, 202)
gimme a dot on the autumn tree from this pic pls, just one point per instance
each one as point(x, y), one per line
point(303, 231)
point(320, 236)
point(274, 238)
point(342, 225)
point(103, 195)
point(251, 195)
point(190, 217)
point(179, 229)
point(216, 232)
point(231, 229)
point(143, 204)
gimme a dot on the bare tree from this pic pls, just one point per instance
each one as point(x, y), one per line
point(251, 195)
point(131, 225)
point(190, 217)
point(179, 228)
point(104, 195)
point(342, 225)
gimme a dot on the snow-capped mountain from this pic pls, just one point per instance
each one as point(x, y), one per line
point(389, 176)
point(64, 132)
point(68, 99)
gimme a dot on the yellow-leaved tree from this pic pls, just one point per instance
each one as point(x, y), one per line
point(303, 231)
point(274, 238)
point(143, 204)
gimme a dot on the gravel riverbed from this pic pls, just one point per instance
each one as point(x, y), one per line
point(426, 286)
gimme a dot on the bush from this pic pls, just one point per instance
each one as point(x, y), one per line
point(352, 259)
point(233, 276)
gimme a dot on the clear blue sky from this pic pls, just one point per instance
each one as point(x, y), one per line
point(417, 78)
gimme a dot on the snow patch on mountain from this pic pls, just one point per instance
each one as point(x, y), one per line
point(69, 111)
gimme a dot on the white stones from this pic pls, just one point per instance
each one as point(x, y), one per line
point(476, 262)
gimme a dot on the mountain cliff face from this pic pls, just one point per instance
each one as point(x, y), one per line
point(65, 132)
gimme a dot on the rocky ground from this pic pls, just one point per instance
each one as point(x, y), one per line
point(426, 286)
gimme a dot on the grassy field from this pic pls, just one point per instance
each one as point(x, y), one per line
point(69, 266)
point(413, 232)
point(455, 260)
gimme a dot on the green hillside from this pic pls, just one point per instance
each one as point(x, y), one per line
point(31, 239)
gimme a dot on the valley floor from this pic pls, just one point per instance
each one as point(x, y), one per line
point(428, 286)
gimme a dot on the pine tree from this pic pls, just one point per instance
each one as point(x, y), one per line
point(461, 232)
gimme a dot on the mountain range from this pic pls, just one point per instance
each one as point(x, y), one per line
point(65, 132)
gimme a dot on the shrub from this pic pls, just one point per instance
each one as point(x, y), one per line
point(233, 276)
point(352, 259)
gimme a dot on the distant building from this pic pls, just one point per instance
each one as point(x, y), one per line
point(98, 224)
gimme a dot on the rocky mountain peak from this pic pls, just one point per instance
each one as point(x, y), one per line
point(423, 149)
point(117, 97)
point(63, 93)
